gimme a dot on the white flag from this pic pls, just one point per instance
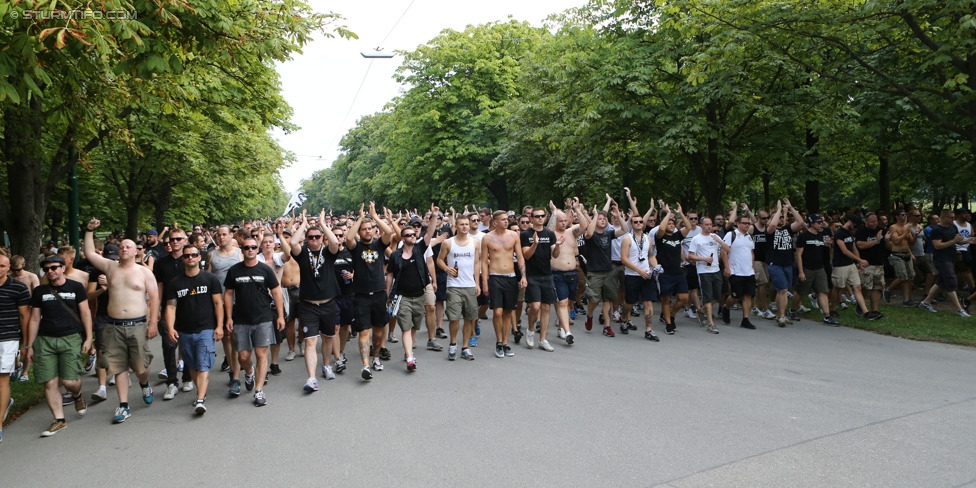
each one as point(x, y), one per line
point(297, 200)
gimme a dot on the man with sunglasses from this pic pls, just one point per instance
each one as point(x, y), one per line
point(812, 254)
point(762, 307)
point(370, 285)
point(195, 320)
point(538, 245)
point(166, 268)
point(20, 273)
point(317, 292)
point(738, 259)
point(408, 277)
point(253, 310)
point(132, 320)
point(59, 337)
point(601, 287)
point(901, 258)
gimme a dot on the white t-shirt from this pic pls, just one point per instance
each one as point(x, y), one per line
point(463, 256)
point(740, 256)
point(966, 232)
point(639, 252)
point(703, 246)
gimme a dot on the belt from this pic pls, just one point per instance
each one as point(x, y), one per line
point(293, 287)
point(617, 263)
point(127, 322)
point(371, 293)
point(318, 302)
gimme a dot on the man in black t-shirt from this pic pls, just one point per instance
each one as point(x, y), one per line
point(780, 255)
point(252, 303)
point(59, 337)
point(195, 319)
point(166, 268)
point(600, 285)
point(810, 246)
point(944, 238)
point(538, 245)
point(671, 277)
point(870, 243)
point(846, 264)
point(317, 292)
point(369, 285)
point(408, 278)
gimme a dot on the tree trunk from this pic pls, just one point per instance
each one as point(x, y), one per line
point(163, 200)
point(499, 189)
point(766, 177)
point(132, 221)
point(27, 189)
point(884, 183)
point(812, 187)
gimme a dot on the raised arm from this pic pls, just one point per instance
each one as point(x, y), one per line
point(91, 254)
point(384, 228)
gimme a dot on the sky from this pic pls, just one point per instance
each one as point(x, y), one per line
point(331, 86)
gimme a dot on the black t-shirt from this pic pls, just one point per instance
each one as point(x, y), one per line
point(157, 251)
point(409, 282)
point(252, 292)
point(812, 246)
point(944, 234)
point(759, 237)
point(843, 238)
point(317, 274)
point(540, 263)
point(55, 320)
point(194, 301)
point(780, 247)
point(13, 294)
point(669, 252)
point(874, 255)
point(343, 262)
point(368, 260)
point(102, 309)
point(167, 268)
point(598, 251)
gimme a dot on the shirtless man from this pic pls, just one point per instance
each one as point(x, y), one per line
point(498, 277)
point(132, 320)
point(564, 273)
point(19, 272)
point(901, 238)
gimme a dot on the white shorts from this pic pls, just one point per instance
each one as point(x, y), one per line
point(8, 356)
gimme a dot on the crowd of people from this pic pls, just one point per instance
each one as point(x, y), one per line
point(315, 283)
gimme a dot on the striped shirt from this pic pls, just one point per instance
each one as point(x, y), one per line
point(13, 294)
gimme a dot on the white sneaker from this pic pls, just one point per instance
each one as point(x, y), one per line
point(616, 316)
point(802, 309)
point(377, 365)
point(962, 313)
point(561, 333)
point(290, 355)
point(544, 345)
point(772, 306)
point(100, 394)
point(813, 301)
point(530, 339)
point(188, 386)
point(756, 312)
point(162, 375)
point(768, 314)
point(170, 392)
point(328, 373)
point(691, 314)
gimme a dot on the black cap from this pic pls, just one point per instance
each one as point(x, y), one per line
point(962, 210)
point(111, 251)
point(52, 260)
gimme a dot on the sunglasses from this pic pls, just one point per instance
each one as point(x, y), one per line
point(540, 216)
point(191, 255)
point(139, 249)
point(636, 221)
point(692, 218)
point(340, 236)
point(312, 238)
point(16, 270)
point(523, 222)
point(249, 248)
point(51, 268)
point(176, 239)
point(410, 235)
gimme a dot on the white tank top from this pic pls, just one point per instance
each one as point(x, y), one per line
point(463, 257)
point(638, 253)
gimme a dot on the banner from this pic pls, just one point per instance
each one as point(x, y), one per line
point(296, 202)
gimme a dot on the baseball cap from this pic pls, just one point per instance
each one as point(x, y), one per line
point(962, 210)
point(152, 232)
point(111, 251)
point(814, 218)
point(55, 259)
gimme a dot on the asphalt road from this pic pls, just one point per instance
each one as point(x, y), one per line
point(807, 405)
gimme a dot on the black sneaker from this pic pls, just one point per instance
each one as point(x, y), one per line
point(441, 334)
point(668, 329)
point(224, 366)
point(603, 321)
point(517, 335)
point(569, 339)
point(746, 324)
point(872, 315)
point(275, 370)
point(886, 294)
point(965, 304)
point(624, 329)
point(385, 354)
point(858, 311)
point(631, 326)
point(831, 322)
point(792, 315)
point(726, 315)
point(651, 336)
point(367, 374)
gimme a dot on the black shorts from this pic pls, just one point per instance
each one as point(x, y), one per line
point(946, 276)
point(98, 329)
point(345, 310)
point(691, 271)
point(293, 302)
point(370, 311)
point(743, 286)
point(441, 294)
point(504, 292)
point(673, 284)
point(639, 289)
point(540, 289)
point(317, 319)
